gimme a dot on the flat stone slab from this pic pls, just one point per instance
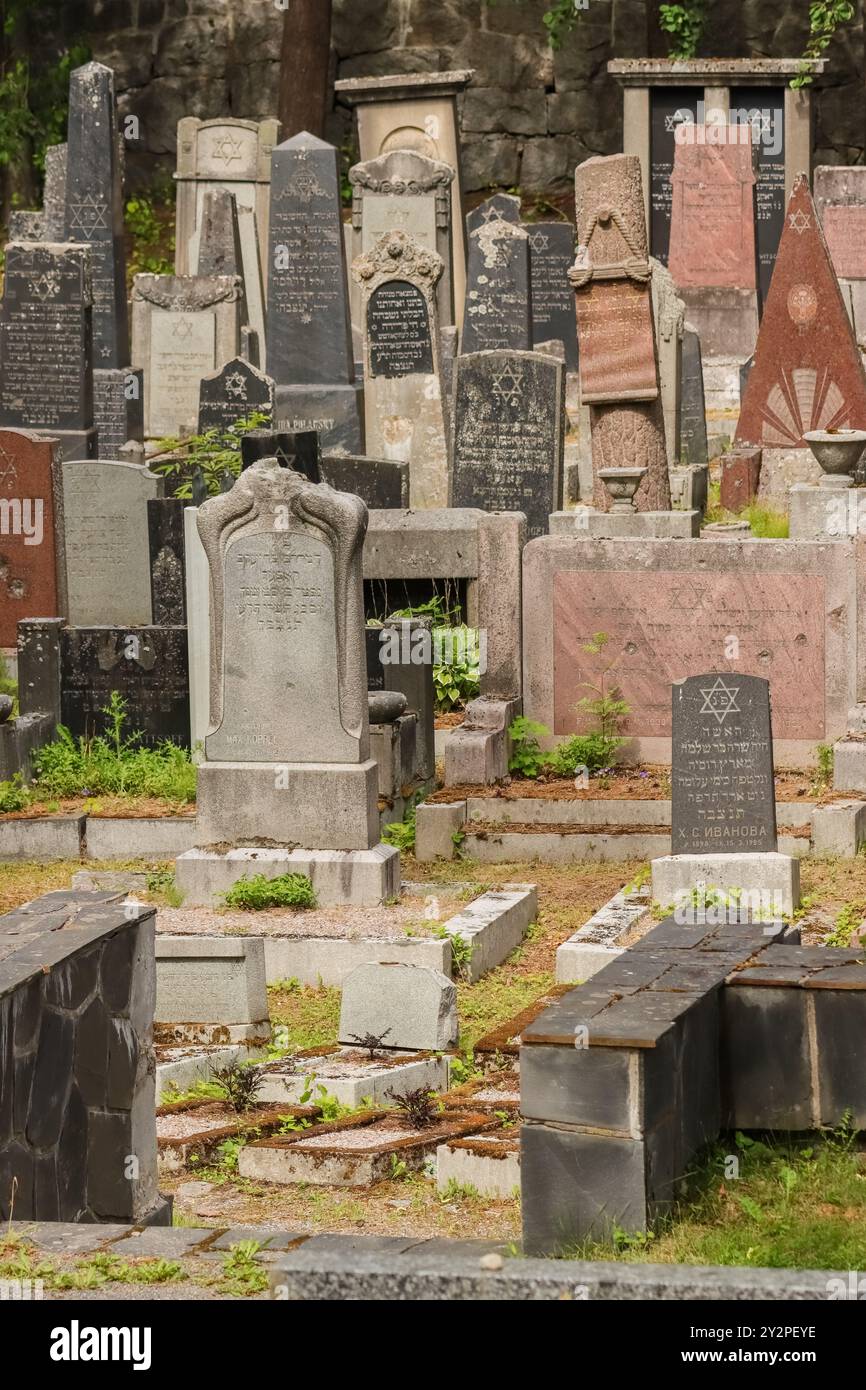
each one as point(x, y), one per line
point(407, 1006)
point(182, 1067)
point(210, 979)
point(598, 941)
point(770, 883)
point(493, 926)
point(351, 1075)
point(363, 877)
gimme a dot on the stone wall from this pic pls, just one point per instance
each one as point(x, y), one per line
point(77, 1108)
point(531, 113)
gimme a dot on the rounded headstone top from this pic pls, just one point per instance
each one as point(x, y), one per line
point(6, 706)
point(385, 705)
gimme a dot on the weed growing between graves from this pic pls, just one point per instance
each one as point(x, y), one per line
point(591, 753)
point(113, 763)
point(238, 1084)
point(256, 892)
point(215, 455)
point(778, 1203)
point(401, 833)
point(306, 1016)
point(766, 523)
point(20, 1259)
point(457, 679)
point(14, 796)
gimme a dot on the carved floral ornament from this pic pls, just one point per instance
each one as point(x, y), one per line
point(402, 173)
point(635, 267)
point(397, 256)
point(186, 293)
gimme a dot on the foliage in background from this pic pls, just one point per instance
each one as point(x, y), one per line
point(685, 24)
point(826, 17)
point(151, 240)
point(592, 752)
point(8, 686)
point(216, 453)
point(457, 681)
point(113, 763)
point(14, 796)
point(256, 892)
point(765, 522)
point(401, 833)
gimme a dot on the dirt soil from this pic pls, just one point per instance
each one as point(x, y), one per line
point(646, 783)
point(109, 808)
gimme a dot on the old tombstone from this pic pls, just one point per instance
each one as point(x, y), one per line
point(32, 556)
point(504, 207)
point(840, 197)
point(288, 633)
point(380, 483)
point(46, 372)
point(183, 328)
point(618, 369)
point(309, 327)
point(407, 192)
point(722, 790)
point(300, 451)
point(713, 257)
point(807, 373)
point(93, 214)
point(107, 552)
point(498, 310)
point(220, 252)
point(693, 413)
point(509, 417)
point(669, 319)
point(230, 154)
point(551, 256)
point(408, 1005)
point(236, 392)
point(146, 665)
point(165, 530)
point(405, 409)
point(54, 193)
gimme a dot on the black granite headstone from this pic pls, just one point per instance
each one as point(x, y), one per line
point(94, 205)
point(551, 256)
point(398, 330)
point(669, 107)
point(381, 483)
point(232, 394)
point(693, 415)
point(167, 560)
point(502, 206)
point(118, 408)
point(722, 791)
point(46, 380)
point(375, 669)
point(301, 452)
point(148, 666)
point(309, 334)
point(498, 311)
point(508, 435)
point(764, 107)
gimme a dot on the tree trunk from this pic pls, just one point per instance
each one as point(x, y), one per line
point(304, 65)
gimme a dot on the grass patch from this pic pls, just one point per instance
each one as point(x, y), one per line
point(766, 522)
point(796, 1204)
point(255, 892)
point(304, 1016)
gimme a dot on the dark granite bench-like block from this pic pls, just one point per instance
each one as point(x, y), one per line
point(77, 984)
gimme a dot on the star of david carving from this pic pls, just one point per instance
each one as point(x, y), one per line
point(800, 221)
point(491, 214)
point(45, 286)
point(226, 149)
point(306, 186)
point(236, 385)
point(182, 330)
point(678, 118)
point(89, 215)
point(720, 699)
point(508, 384)
point(8, 473)
point(539, 241)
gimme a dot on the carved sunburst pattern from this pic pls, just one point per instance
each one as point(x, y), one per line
point(805, 399)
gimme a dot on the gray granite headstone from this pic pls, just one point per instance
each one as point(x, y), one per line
point(722, 792)
point(94, 206)
point(220, 252)
point(118, 408)
point(693, 412)
point(509, 410)
point(46, 379)
point(497, 312)
point(107, 552)
point(234, 393)
point(381, 483)
point(503, 207)
point(309, 337)
point(551, 256)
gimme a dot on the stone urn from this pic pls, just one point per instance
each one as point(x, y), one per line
point(621, 485)
point(838, 452)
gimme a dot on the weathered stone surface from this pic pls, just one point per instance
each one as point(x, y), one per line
point(94, 205)
point(167, 560)
point(807, 373)
point(713, 215)
point(285, 558)
point(107, 555)
point(300, 451)
point(118, 408)
point(722, 794)
point(405, 407)
point(693, 411)
point(669, 320)
point(33, 564)
point(148, 666)
point(504, 207)
point(403, 1005)
point(378, 482)
point(840, 197)
point(551, 255)
point(210, 979)
point(508, 435)
point(498, 313)
point(182, 329)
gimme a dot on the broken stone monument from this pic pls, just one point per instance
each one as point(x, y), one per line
point(498, 310)
point(287, 784)
point(405, 407)
point(220, 252)
point(618, 367)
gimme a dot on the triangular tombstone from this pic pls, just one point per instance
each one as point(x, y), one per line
point(807, 373)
